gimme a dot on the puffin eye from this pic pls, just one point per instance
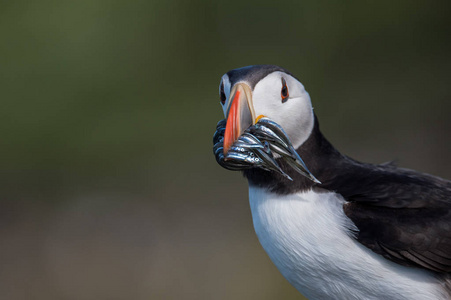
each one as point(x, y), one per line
point(284, 92)
point(222, 94)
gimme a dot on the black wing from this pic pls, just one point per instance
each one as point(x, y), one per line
point(401, 214)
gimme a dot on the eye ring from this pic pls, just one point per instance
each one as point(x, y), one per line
point(284, 91)
point(222, 96)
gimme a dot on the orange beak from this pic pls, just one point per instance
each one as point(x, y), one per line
point(240, 115)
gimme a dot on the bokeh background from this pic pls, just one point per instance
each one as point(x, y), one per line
point(108, 185)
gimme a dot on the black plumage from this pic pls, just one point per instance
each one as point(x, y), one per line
point(253, 74)
point(401, 214)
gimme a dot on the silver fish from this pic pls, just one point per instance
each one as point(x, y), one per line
point(270, 162)
point(255, 147)
point(248, 149)
point(268, 130)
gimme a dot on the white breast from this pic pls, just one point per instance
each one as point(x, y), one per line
point(307, 236)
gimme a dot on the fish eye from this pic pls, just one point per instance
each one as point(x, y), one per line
point(284, 92)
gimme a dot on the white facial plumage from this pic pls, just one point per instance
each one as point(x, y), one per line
point(295, 115)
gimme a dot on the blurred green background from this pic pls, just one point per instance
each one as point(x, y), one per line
point(109, 189)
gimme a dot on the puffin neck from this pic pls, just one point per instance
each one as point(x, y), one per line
point(318, 154)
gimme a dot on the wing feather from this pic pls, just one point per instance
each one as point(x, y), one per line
point(403, 215)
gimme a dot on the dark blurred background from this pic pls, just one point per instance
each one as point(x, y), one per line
point(108, 185)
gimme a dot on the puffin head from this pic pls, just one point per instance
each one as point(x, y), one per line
point(250, 93)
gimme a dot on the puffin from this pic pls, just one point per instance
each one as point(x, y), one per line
point(356, 230)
